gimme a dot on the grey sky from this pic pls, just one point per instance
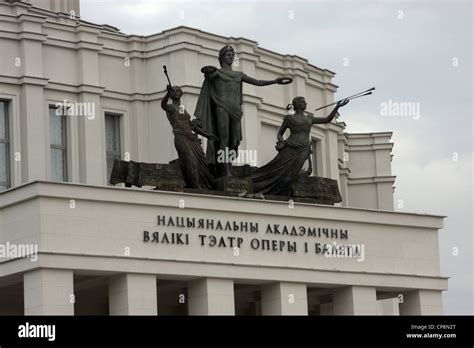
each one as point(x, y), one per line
point(408, 50)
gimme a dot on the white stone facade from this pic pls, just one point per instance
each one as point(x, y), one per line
point(93, 257)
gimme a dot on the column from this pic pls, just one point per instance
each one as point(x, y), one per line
point(138, 147)
point(33, 129)
point(91, 143)
point(422, 302)
point(137, 136)
point(91, 128)
point(49, 292)
point(250, 120)
point(33, 122)
point(211, 296)
point(284, 299)
point(133, 294)
point(299, 75)
point(355, 300)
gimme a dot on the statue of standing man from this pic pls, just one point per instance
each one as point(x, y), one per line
point(219, 109)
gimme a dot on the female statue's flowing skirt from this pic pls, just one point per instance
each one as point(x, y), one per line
point(278, 176)
point(192, 162)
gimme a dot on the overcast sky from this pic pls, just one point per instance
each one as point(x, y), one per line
point(413, 52)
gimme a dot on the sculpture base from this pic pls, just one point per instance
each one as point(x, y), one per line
point(234, 184)
point(323, 190)
point(168, 177)
point(306, 189)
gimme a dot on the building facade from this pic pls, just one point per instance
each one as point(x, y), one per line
point(74, 96)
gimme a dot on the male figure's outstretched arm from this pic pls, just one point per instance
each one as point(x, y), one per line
point(255, 82)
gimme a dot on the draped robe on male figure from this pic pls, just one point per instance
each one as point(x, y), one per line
point(206, 112)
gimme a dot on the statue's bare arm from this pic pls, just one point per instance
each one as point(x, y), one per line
point(255, 82)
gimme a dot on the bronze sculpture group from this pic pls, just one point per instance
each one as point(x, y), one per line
point(218, 116)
